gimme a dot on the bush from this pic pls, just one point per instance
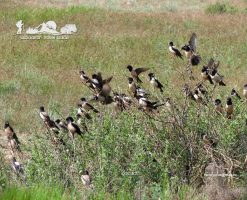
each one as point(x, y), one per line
point(219, 8)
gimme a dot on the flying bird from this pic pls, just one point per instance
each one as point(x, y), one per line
point(190, 50)
point(136, 72)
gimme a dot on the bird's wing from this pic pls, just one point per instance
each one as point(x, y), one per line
point(210, 64)
point(159, 84)
point(193, 42)
point(108, 80)
point(140, 70)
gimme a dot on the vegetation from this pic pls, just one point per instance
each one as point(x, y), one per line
point(130, 155)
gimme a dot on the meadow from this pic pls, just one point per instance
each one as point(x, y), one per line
point(119, 149)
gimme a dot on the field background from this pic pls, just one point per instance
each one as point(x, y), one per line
point(111, 35)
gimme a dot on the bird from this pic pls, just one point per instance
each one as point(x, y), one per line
point(62, 125)
point(73, 128)
point(16, 166)
point(198, 98)
point(81, 123)
point(208, 142)
point(118, 103)
point(131, 85)
point(235, 94)
point(44, 116)
point(187, 92)
point(86, 179)
point(205, 75)
point(174, 50)
point(229, 108)
point(81, 112)
point(136, 72)
point(218, 106)
point(154, 82)
point(87, 106)
point(84, 77)
point(190, 50)
point(148, 105)
point(245, 91)
point(217, 78)
point(51, 125)
point(141, 92)
point(13, 140)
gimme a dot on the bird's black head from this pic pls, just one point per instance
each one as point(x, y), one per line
point(85, 172)
point(151, 75)
point(13, 159)
point(186, 48)
point(79, 105)
point(78, 116)
point(204, 69)
point(94, 76)
point(41, 109)
point(57, 121)
point(229, 101)
point(82, 72)
point(130, 80)
point(213, 72)
point(83, 99)
point(196, 92)
point(69, 119)
point(245, 86)
point(6, 124)
point(170, 43)
point(217, 102)
point(233, 92)
point(129, 67)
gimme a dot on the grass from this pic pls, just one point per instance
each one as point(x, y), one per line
point(45, 72)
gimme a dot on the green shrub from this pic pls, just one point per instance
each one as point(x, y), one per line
point(219, 8)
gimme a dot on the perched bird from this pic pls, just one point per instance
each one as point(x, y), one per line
point(132, 85)
point(217, 78)
point(174, 50)
point(84, 77)
point(198, 98)
point(141, 92)
point(80, 122)
point(205, 75)
point(235, 94)
point(208, 142)
point(13, 140)
point(136, 72)
point(44, 116)
point(16, 166)
point(51, 125)
point(73, 128)
point(245, 91)
point(81, 112)
point(148, 105)
point(154, 82)
point(118, 103)
point(86, 179)
point(218, 106)
point(187, 92)
point(87, 106)
point(190, 50)
point(229, 108)
point(62, 125)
